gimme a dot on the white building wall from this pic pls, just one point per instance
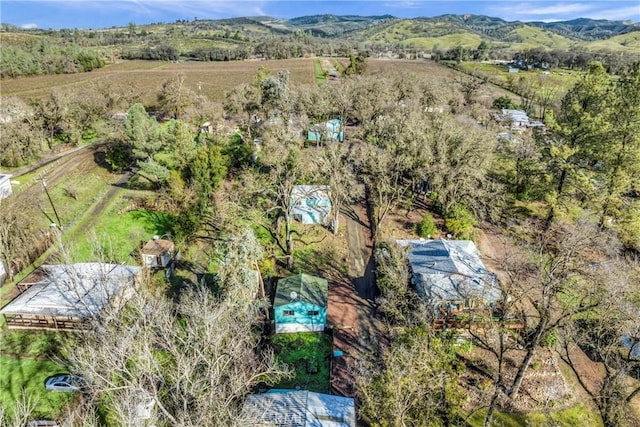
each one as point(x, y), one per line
point(5, 186)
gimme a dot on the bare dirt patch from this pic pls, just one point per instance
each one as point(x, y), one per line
point(544, 386)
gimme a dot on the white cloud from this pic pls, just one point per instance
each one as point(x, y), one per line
point(200, 9)
point(618, 14)
point(29, 26)
point(405, 4)
point(537, 11)
point(557, 9)
point(549, 12)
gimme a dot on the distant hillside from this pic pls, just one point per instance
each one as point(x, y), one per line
point(589, 29)
point(447, 31)
point(332, 25)
point(629, 42)
point(240, 38)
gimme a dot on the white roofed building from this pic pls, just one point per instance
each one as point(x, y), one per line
point(299, 408)
point(5, 185)
point(67, 296)
point(450, 274)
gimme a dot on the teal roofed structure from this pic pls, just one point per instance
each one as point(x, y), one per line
point(300, 304)
point(328, 131)
point(311, 204)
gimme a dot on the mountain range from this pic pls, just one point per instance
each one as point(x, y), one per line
point(383, 31)
point(583, 29)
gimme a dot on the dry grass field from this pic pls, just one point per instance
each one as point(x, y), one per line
point(212, 79)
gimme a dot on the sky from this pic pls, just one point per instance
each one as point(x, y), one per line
point(108, 13)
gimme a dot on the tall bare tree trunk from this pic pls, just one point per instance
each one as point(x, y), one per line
point(531, 352)
point(288, 243)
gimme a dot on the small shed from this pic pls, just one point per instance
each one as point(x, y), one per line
point(5, 185)
point(207, 127)
point(450, 274)
point(158, 253)
point(311, 204)
point(300, 304)
point(299, 408)
point(67, 296)
point(328, 131)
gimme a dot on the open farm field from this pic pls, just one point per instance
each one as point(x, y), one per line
point(559, 77)
point(212, 79)
point(449, 41)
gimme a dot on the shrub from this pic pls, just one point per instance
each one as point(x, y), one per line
point(550, 339)
point(427, 227)
point(503, 102)
point(461, 222)
point(118, 156)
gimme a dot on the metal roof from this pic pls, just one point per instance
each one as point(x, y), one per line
point(307, 288)
point(450, 270)
point(157, 247)
point(317, 192)
point(300, 408)
point(73, 290)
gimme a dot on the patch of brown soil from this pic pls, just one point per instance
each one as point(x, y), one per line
point(544, 385)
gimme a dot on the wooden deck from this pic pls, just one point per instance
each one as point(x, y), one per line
point(472, 319)
point(47, 323)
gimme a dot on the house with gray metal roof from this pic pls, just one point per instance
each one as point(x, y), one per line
point(299, 408)
point(450, 273)
point(67, 296)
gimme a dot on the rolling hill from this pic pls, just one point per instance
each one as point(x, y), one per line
point(378, 32)
point(448, 31)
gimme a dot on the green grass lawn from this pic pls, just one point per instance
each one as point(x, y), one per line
point(302, 351)
point(117, 235)
point(28, 374)
point(578, 415)
point(321, 78)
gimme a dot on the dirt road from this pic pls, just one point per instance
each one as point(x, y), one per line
point(55, 168)
point(352, 305)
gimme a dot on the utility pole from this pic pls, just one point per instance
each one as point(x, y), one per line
point(44, 184)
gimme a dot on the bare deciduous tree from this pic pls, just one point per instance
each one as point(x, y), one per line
point(610, 337)
point(334, 165)
point(195, 359)
point(19, 234)
point(559, 284)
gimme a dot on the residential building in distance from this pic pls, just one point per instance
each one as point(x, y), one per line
point(5, 185)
